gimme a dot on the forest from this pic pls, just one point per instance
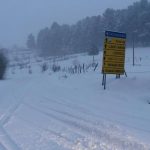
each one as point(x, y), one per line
point(87, 34)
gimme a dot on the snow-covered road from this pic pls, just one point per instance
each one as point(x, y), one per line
point(50, 112)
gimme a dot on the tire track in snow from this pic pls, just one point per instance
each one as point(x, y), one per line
point(88, 130)
point(6, 140)
point(2, 147)
point(56, 137)
point(86, 118)
point(7, 116)
point(87, 112)
point(83, 142)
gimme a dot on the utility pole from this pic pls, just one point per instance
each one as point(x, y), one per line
point(133, 40)
point(133, 48)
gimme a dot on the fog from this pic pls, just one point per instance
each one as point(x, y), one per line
point(21, 17)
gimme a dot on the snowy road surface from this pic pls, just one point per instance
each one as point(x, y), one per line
point(50, 112)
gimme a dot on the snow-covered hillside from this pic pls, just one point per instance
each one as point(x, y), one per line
point(64, 111)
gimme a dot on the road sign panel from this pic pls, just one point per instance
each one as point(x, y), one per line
point(114, 53)
point(117, 41)
point(113, 59)
point(115, 34)
point(113, 71)
point(112, 64)
point(114, 46)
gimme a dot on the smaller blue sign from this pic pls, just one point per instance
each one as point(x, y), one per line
point(115, 34)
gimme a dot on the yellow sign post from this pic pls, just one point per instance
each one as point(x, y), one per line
point(114, 54)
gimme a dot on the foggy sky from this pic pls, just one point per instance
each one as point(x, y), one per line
point(18, 18)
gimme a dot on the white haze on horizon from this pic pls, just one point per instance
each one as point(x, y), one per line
point(21, 17)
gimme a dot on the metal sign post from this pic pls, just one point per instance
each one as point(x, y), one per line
point(133, 49)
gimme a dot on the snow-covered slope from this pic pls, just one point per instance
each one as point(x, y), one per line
point(63, 111)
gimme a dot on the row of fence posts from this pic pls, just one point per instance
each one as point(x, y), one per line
point(75, 69)
point(78, 69)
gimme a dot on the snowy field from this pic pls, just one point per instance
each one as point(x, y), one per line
point(62, 111)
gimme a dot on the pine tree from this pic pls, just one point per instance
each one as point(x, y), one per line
point(31, 42)
point(3, 65)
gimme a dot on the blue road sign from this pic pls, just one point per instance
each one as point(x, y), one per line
point(115, 34)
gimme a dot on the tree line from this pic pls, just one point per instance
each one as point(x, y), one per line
point(87, 34)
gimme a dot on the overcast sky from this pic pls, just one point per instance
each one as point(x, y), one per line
point(18, 18)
